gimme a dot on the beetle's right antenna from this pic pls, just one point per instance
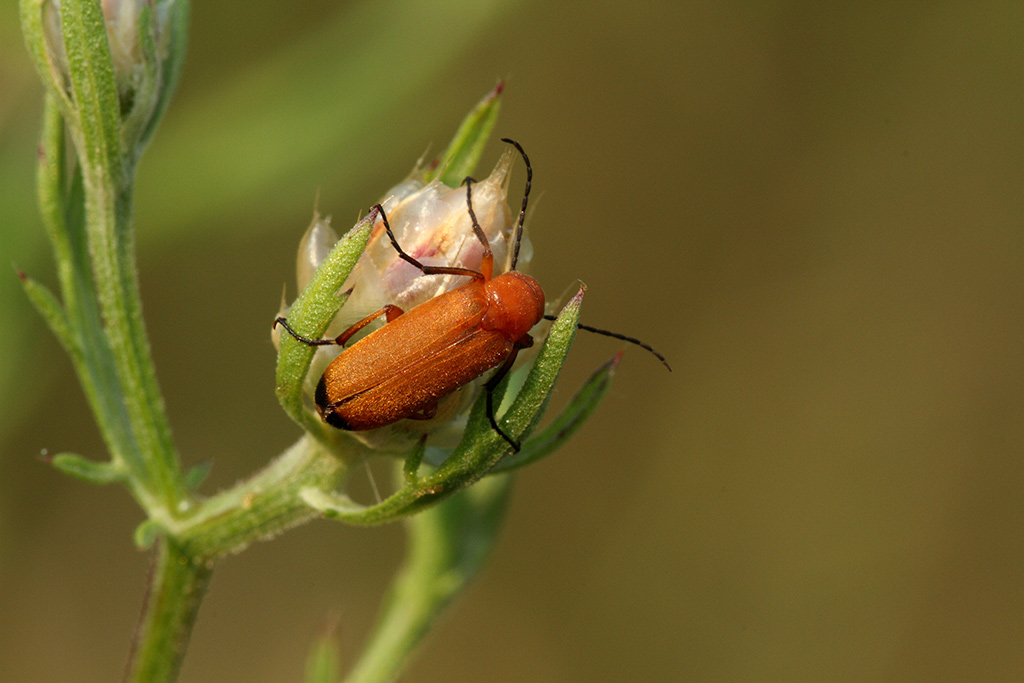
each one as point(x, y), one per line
point(526, 195)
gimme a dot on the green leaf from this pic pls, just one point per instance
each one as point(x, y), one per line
point(568, 421)
point(143, 92)
point(463, 153)
point(197, 474)
point(61, 201)
point(94, 121)
point(146, 534)
point(51, 311)
point(310, 315)
point(88, 470)
point(32, 26)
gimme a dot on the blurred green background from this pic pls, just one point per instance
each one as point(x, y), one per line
point(814, 209)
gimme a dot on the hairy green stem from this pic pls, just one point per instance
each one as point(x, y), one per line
point(447, 546)
point(262, 506)
point(177, 585)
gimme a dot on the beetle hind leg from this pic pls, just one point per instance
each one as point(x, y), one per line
point(492, 384)
point(425, 413)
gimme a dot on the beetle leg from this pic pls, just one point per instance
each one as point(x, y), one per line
point(390, 312)
point(426, 413)
point(426, 270)
point(283, 322)
point(525, 342)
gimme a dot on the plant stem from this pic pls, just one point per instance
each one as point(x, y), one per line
point(262, 506)
point(447, 545)
point(176, 588)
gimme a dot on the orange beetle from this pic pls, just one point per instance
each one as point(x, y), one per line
point(404, 368)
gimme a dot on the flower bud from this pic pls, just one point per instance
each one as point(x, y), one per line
point(146, 41)
point(431, 222)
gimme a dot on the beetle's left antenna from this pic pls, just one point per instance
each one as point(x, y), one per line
point(526, 196)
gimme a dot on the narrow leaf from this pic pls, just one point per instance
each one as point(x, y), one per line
point(94, 88)
point(146, 534)
point(177, 29)
point(463, 153)
point(324, 664)
point(568, 421)
point(52, 312)
point(197, 474)
point(32, 23)
point(88, 470)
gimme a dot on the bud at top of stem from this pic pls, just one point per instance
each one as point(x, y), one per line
point(142, 52)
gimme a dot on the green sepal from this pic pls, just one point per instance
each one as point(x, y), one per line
point(481, 447)
point(94, 91)
point(568, 421)
point(88, 470)
point(176, 27)
point(310, 315)
point(138, 99)
point(32, 26)
point(466, 147)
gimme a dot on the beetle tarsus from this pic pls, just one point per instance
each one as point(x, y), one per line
point(283, 322)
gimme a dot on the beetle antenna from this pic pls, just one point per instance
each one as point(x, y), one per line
point(426, 270)
point(468, 182)
point(526, 195)
point(616, 335)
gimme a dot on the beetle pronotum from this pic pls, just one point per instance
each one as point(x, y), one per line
point(418, 357)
